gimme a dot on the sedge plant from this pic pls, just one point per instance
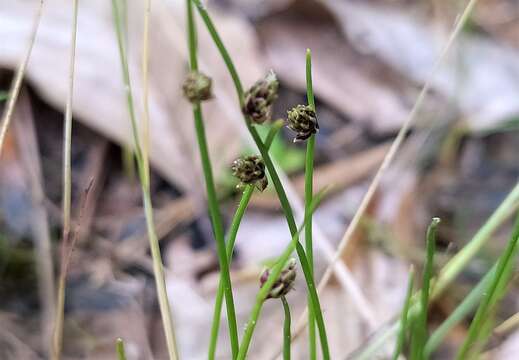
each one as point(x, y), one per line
point(315, 304)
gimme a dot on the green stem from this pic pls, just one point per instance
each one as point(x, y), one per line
point(309, 173)
point(119, 348)
point(212, 199)
point(420, 324)
point(286, 329)
point(231, 239)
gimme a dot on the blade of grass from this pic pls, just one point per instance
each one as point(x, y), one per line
point(57, 338)
point(17, 81)
point(265, 289)
point(231, 240)
point(211, 191)
point(420, 324)
point(143, 171)
point(492, 295)
point(286, 329)
point(119, 348)
point(273, 174)
point(309, 173)
point(403, 329)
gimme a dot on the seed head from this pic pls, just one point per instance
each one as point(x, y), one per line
point(303, 121)
point(260, 97)
point(197, 87)
point(250, 170)
point(284, 283)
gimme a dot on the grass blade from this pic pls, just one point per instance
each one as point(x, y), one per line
point(491, 296)
point(403, 330)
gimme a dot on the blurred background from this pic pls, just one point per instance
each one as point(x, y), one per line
point(370, 57)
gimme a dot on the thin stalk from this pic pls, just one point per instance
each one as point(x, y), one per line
point(119, 348)
point(287, 210)
point(403, 330)
point(231, 240)
point(144, 171)
point(57, 337)
point(286, 329)
point(492, 295)
point(212, 199)
point(420, 324)
point(267, 286)
point(17, 81)
point(309, 173)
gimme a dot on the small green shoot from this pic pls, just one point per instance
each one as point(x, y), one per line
point(404, 329)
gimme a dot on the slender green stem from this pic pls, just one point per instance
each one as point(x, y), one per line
point(309, 173)
point(119, 348)
point(275, 179)
point(211, 191)
point(420, 325)
point(492, 295)
point(403, 330)
point(231, 239)
point(286, 329)
point(267, 286)
point(143, 170)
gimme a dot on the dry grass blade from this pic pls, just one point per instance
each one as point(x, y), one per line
point(68, 241)
point(17, 81)
point(395, 146)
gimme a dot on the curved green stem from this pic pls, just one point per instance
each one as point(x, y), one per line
point(231, 239)
point(403, 330)
point(286, 329)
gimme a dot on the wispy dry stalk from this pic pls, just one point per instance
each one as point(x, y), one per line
point(395, 146)
point(17, 81)
point(67, 240)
